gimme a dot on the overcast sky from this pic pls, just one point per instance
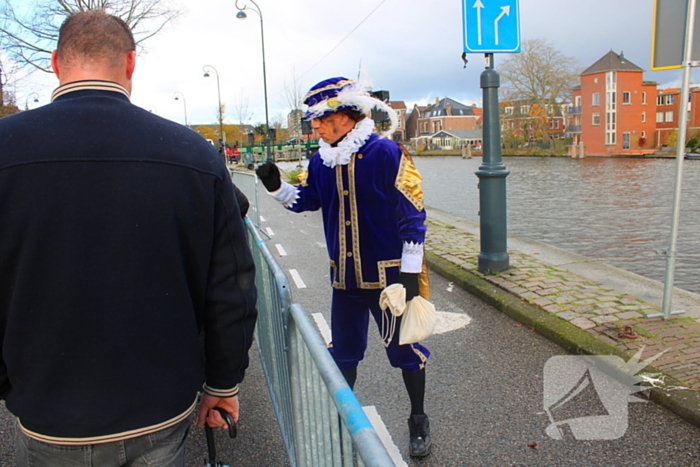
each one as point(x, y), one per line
point(411, 48)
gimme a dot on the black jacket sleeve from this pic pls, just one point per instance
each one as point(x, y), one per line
point(230, 313)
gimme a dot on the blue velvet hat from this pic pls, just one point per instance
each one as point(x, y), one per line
point(322, 98)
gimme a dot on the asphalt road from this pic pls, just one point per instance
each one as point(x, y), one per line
point(485, 380)
point(484, 393)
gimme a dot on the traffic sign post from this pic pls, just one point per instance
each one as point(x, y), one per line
point(492, 175)
point(490, 26)
point(671, 50)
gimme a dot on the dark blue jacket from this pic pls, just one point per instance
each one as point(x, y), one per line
point(119, 237)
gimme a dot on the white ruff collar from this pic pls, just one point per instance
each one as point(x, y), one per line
point(342, 153)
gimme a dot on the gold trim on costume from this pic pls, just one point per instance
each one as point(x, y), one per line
point(354, 223)
point(342, 242)
point(352, 213)
point(408, 181)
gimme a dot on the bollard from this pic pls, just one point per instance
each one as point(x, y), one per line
point(492, 181)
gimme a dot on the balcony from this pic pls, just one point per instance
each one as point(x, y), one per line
point(574, 110)
point(574, 129)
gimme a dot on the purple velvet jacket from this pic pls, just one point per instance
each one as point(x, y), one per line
point(371, 207)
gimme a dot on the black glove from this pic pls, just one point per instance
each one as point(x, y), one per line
point(410, 283)
point(243, 203)
point(269, 175)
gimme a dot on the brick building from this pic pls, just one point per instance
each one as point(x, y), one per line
point(400, 108)
point(614, 109)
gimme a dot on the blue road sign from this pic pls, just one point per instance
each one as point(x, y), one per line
point(491, 26)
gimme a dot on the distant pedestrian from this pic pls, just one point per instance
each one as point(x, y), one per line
point(122, 240)
point(369, 192)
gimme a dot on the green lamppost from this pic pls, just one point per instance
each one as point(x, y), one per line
point(220, 113)
point(242, 15)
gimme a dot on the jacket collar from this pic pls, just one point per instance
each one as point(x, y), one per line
point(93, 85)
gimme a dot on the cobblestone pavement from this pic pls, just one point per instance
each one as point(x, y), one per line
point(612, 316)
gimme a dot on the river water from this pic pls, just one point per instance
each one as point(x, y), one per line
point(616, 210)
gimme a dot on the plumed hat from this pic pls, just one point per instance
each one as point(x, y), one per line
point(334, 94)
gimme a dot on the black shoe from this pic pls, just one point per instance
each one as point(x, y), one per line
point(419, 430)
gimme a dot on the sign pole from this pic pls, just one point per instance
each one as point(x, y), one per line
point(492, 180)
point(680, 153)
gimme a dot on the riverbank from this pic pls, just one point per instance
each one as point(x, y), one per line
point(556, 294)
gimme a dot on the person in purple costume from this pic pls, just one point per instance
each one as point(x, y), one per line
point(370, 197)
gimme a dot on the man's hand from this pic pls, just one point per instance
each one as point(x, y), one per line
point(269, 175)
point(212, 417)
point(410, 283)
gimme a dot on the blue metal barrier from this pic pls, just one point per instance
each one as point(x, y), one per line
point(322, 422)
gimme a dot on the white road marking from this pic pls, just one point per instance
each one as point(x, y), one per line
point(323, 327)
point(297, 279)
point(384, 436)
point(447, 322)
point(321, 245)
point(262, 219)
point(280, 250)
point(269, 232)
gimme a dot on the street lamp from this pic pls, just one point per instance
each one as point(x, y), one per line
point(241, 15)
point(220, 113)
point(26, 102)
point(178, 94)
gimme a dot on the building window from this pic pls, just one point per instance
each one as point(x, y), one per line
point(644, 98)
point(644, 134)
point(525, 110)
point(669, 116)
point(596, 119)
point(509, 110)
point(626, 98)
point(644, 117)
point(669, 99)
point(437, 126)
point(596, 99)
point(659, 117)
point(660, 99)
point(577, 101)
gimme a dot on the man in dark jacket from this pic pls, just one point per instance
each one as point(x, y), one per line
point(121, 241)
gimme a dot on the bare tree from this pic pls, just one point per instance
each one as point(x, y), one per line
point(540, 75)
point(241, 108)
point(28, 35)
point(8, 104)
point(293, 99)
point(220, 118)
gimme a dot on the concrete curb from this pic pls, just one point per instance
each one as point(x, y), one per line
point(683, 402)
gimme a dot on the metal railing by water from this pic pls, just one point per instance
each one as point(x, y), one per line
point(321, 420)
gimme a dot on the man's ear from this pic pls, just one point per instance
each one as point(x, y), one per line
point(54, 63)
point(130, 64)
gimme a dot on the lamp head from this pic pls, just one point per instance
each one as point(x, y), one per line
point(177, 98)
point(206, 74)
point(241, 15)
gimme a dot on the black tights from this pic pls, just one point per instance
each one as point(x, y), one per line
point(415, 385)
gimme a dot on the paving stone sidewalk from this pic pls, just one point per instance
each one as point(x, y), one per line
point(612, 316)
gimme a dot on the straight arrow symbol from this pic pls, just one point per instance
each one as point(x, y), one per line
point(478, 5)
point(505, 11)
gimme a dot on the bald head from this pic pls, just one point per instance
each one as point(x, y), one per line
point(94, 45)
